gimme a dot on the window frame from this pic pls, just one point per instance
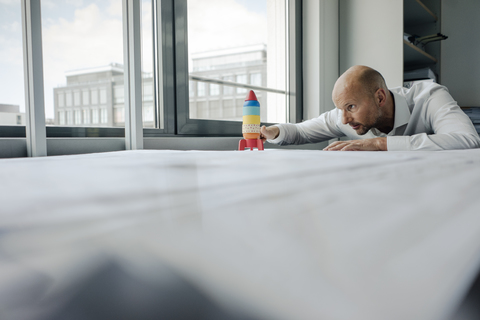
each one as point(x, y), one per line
point(202, 127)
point(171, 81)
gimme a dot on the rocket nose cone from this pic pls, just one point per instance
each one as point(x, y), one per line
point(251, 96)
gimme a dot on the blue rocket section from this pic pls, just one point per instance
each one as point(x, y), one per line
point(251, 103)
point(251, 111)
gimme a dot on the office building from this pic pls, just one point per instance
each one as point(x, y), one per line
point(94, 97)
point(244, 65)
point(11, 115)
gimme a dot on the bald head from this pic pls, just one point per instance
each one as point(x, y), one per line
point(364, 100)
point(360, 79)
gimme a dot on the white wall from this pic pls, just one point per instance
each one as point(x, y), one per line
point(460, 53)
point(320, 55)
point(371, 33)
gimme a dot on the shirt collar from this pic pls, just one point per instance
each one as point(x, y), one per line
point(402, 112)
point(402, 115)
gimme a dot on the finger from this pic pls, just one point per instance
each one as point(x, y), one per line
point(340, 142)
point(331, 145)
point(336, 146)
point(268, 132)
point(349, 148)
point(263, 132)
point(355, 146)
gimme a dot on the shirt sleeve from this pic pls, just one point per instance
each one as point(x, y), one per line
point(319, 129)
point(451, 127)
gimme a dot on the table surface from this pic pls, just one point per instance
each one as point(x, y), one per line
point(283, 234)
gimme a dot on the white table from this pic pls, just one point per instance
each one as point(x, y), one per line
point(280, 234)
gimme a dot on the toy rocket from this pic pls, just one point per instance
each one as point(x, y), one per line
point(251, 123)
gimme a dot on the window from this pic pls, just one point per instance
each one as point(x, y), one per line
point(192, 64)
point(241, 78)
point(103, 96)
point(85, 97)
point(147, 91)
point(148, 115)
point(229, 110)
point(78, 117)
point(191, 87)
point(149, 99)
point(201, 89)
point(82, 54)
point(215, 111)
point(61, 118)
point(86, 116)
point(118, 94)
point(256, 79)
point(118, 115)
point(76, 98)
point(94, 95)
point(104, 116)
point(214, 88)
point(69, 99)
point(12, 95)
point(95, 118)
point(69, 117)
point(202, 110)
point(228, 90)
point(61, 99)
point(227, 57)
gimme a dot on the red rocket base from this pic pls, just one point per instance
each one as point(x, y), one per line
point(250, 143)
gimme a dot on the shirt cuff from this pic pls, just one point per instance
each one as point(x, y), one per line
point(398, 143)
point(280, 137)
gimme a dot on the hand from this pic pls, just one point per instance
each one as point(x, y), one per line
point(269, 133)
point(375, 144)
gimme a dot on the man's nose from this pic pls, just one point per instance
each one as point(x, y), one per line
point(346, 118)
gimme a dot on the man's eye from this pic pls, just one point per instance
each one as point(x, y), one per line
point(351, 107)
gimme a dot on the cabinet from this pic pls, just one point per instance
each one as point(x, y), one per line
point(421, 18)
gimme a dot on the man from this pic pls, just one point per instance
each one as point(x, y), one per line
point(424, 117)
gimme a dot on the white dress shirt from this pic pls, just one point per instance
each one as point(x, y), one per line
point(426, 118)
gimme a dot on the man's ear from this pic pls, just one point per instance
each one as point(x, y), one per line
point(381, 97)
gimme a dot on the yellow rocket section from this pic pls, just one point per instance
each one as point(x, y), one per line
point(251, 119)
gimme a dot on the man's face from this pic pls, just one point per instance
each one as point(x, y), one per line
point(359, 109)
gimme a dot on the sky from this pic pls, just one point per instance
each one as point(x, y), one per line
point(225, 24)
point(11, 54)
point(79, 34)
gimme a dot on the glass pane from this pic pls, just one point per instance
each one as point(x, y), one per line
point(83, 62)
point(12, 94)
point(240, 45)
point(147, 66)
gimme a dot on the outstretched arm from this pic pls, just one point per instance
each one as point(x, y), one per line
point(319, 129)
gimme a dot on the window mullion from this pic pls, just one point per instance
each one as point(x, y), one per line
point(33, 65)
point(158, 65)
point(166, 62)
point(294, 65)
point(133, 75)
